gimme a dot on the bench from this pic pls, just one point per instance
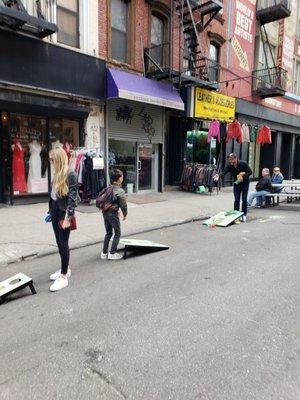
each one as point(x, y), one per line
point(289, 197)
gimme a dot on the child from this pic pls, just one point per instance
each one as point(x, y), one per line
point(111, 217)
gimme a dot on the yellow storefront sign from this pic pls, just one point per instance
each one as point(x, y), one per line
point(213, 105)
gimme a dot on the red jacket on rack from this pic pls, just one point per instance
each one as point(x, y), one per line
point(234, 131)
point(264, 135)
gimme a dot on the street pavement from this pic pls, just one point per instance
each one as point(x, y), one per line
point(216, 317)
point(24, 234)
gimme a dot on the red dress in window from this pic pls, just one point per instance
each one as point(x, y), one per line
point(18, 167)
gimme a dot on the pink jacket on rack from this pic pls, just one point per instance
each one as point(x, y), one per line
point(214, 131)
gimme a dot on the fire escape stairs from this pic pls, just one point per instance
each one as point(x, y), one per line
point(14, 15)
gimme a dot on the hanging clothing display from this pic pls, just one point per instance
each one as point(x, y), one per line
point(68, 149)
point(195, 175)
point(223, 131)
point(91, 181)
point(214, 131)
point(254, 132)
point(234, 131)
point(264, 135)
point(245, 133)
point(35, 163)
point(18, 167)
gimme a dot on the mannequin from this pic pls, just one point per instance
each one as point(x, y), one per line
point(18, 166)
point(35, 163)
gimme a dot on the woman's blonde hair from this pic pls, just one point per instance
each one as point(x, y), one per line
point(61, 171)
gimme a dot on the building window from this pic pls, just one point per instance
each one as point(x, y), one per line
point(157, 39)
point(68, 22)
point(213, 68)
point(266, 60)
point(119, 30)
point(297, 78)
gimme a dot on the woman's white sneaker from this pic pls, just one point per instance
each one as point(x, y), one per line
point(114, 256)
point(59, 284)
point(57, 274)
point(103, 256)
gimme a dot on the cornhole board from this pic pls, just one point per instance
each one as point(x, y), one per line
point(136, 245)
point(223, 218)
point(15, 283)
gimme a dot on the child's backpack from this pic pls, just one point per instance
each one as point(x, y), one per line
point(105, 199)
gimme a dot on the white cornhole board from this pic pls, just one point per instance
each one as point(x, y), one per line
point(223, 218)
point(141, 245)
point(15, 283)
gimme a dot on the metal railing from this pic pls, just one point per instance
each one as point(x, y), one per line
point(263, 4)
point(157, 60)
point(269, 79)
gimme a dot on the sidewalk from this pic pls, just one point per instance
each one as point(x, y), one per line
point(24, 234)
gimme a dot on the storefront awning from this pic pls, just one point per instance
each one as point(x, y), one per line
point(128, 86)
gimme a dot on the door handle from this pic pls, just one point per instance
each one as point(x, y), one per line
point(139, 165)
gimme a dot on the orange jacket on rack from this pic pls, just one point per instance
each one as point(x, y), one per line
point(264, 135)
point(234, 131)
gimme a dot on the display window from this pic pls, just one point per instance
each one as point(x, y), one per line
point(198, 149)
point(29, 154)
point(25, 144)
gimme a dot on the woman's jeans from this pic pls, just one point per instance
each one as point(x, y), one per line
point(259, 196)
point(238, 190)
point(61, 236)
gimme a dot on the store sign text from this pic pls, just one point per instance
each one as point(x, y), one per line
point(212, 105)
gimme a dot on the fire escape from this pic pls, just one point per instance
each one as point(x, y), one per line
point(270, 81)
point(14, 15)
point(193, 67)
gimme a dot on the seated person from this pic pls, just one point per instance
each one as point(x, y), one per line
point(263, 187)
point(277, 178)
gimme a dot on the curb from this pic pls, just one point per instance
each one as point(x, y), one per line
point(46, 253)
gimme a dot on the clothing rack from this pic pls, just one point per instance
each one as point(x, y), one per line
point(195, 175)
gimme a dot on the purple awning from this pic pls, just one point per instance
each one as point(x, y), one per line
point(128, 86)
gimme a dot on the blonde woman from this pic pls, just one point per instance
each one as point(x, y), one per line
point(63, 200)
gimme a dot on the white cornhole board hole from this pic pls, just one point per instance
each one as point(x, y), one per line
point(141, 246)
point(14, 284)
point(223, 218)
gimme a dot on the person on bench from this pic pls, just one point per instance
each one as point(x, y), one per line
point(277, 178)
point(263, 187)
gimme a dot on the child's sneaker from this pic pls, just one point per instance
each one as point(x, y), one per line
point(114, 256)
point(103, 256)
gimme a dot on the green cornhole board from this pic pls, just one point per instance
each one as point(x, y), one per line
point(224, 218)
point(141, 246)
point(15, 283)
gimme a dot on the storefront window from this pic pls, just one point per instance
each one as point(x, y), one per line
point(29, 154)
point(63, 133)
point(198, 150)
point(122, 155)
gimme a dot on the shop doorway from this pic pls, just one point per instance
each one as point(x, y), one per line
point(147, 167)
point(139, 163)
point(285, 158)
point(297, 158)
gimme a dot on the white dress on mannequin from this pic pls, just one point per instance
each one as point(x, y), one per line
point(35, 163)
point(55, 145)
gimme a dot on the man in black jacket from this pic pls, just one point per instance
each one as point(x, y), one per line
point(263, 187)
point(240, 171)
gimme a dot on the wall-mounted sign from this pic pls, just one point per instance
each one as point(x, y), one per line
point(213, 105)
point(243, 34)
